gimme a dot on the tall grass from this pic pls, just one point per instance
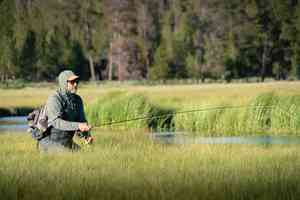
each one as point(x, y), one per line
point(127, 165)
point(266, 114)
point(134, 110)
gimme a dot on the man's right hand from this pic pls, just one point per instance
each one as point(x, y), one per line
point(84, 127)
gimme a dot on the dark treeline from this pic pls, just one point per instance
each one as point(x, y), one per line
point(150, 39)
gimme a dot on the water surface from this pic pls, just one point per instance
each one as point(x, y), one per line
point(181, 138)
point(13, 124)
point(19, 125)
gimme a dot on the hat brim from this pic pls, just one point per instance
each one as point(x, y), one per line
point(73, 77)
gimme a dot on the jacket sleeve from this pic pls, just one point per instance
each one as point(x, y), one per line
point(55, 111)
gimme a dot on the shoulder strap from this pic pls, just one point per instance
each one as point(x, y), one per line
point(60, 99)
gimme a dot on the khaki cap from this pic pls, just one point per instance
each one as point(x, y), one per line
point(71, 76)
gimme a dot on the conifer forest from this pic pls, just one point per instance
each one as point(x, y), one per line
point(150, 39)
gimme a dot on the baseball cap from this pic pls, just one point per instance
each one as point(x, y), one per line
point(71, 76)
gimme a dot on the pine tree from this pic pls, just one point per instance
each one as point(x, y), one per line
point(7, 41)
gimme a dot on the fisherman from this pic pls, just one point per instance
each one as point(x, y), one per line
point(66, 116)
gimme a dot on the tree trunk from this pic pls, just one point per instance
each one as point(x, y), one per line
point(110, 65)
point(264, 60)
point(92, 68)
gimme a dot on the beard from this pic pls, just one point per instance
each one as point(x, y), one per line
point(73, 90)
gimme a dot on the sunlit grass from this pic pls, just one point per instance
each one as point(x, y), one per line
point(265, 114)
point(128, 110)
point(128, 165)
point(180, 94)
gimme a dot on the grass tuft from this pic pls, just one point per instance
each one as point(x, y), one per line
point(265, 114)
point(135, 110)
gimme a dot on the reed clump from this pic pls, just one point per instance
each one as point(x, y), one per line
point(265, 114)
point(123, 110)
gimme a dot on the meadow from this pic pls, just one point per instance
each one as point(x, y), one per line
point(124, 163)
point(36, 94)
point(130, 166)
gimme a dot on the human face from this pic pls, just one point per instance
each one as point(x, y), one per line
point(72, 86)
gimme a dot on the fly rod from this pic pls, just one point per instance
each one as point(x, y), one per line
point(182, 112)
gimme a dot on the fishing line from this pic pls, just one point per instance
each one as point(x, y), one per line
point(182, 112)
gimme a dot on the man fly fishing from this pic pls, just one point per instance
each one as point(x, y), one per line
point(66, 116)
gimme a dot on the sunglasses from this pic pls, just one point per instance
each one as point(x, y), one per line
point(74, 81)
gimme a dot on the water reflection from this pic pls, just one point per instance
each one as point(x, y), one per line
point(181, 138)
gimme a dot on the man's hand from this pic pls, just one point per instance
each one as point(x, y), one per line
point(89, 140)
point(84, 127)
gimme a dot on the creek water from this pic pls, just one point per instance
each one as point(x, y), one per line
point(185, 139)
point(18, 124)
point(15, 124)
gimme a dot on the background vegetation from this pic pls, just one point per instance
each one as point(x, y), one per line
point(150, 39)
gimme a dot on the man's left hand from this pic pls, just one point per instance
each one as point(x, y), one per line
point(89, 140)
